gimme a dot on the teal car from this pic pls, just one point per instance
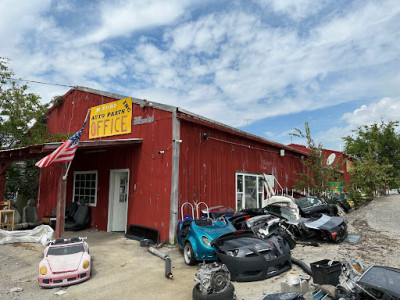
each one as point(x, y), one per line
point(194, 236)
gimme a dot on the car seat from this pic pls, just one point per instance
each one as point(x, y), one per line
point(30, 215)
point(70, 211)
point(80, 219)
point(74, 239)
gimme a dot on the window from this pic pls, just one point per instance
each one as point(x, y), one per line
point(85, 187)
point(249, 191)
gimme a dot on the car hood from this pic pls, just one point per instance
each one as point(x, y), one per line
point(324, 223)
point(245, 246)
point(64, 263)
point(244, 241)
point(219, 241)
point(215, 230)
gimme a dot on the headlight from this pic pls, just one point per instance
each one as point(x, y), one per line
point(43, 270)
point(85, 264)
point(206, 241)
point(232, 252)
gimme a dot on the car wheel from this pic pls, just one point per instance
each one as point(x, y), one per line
point(227, 294)
point(188, 254)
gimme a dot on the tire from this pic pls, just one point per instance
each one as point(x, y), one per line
point(188, 254)
point(227, 294)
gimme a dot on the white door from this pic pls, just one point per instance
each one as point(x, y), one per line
point(118, 201)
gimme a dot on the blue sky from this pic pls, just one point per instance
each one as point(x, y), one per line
point(263, 66)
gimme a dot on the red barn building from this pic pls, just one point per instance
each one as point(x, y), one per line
point(168, 157)
point(331, 157)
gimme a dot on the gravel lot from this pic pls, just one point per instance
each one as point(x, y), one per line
point(122, 268)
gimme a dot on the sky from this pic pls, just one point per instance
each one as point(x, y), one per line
point(262, 66)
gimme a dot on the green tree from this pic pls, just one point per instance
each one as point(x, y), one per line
point(318, 174)
point(22, 116)
point(22, 123)
point(369, 175)
point(378, 143)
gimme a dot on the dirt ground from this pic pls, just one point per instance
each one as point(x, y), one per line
point(122, 268)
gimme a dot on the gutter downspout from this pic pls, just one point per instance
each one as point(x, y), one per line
point(173, 221)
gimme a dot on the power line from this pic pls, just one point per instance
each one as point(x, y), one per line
point(39, 82)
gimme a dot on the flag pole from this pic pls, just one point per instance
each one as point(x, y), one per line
point(61, 200)
point(66, 173)
point(69, 164)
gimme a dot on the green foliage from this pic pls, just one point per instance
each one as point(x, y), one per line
point(368, 175)
point(22, 177)
point(356, 197)
point(377, 146)
point(22, 116)
point(318, 174)
point(22, 123)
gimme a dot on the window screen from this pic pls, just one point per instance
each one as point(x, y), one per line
point(85, 187)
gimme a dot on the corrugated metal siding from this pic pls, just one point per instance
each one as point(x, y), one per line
point(340, 162)
point(340, 159)
point(208, 166)
point(49, 184)
point(150, 172)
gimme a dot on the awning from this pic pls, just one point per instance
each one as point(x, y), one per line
point(37, 151)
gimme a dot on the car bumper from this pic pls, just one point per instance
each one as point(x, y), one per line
point(63, 279)
point(342, 234)
point(208, 255)
point(256, 267)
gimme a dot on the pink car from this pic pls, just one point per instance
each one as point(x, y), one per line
point(65, 262)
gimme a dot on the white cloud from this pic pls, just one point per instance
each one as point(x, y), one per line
point(294, 9)
point(332, 138)
point(121, 18)
point(252, 64)
point(63, 5)
point(386, 109)
point(269, 133)
point(229, 65)
point(16, 17)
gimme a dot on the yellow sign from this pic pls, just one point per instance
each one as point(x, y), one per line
point(111, 119)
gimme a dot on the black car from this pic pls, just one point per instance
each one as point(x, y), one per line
point(331, 229)
point(250, 258)
point(314, 207)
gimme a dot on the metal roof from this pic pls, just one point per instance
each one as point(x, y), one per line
point(170, 108)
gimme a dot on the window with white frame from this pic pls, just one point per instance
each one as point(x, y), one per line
point(249, 190)
point(85, 187)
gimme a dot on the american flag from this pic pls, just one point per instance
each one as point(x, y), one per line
point(64, 153)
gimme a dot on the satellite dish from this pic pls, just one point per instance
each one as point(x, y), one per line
point(330, 159)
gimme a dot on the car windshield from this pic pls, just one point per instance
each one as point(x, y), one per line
point(65, 250)
point(309, 202)
point(282, 211)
